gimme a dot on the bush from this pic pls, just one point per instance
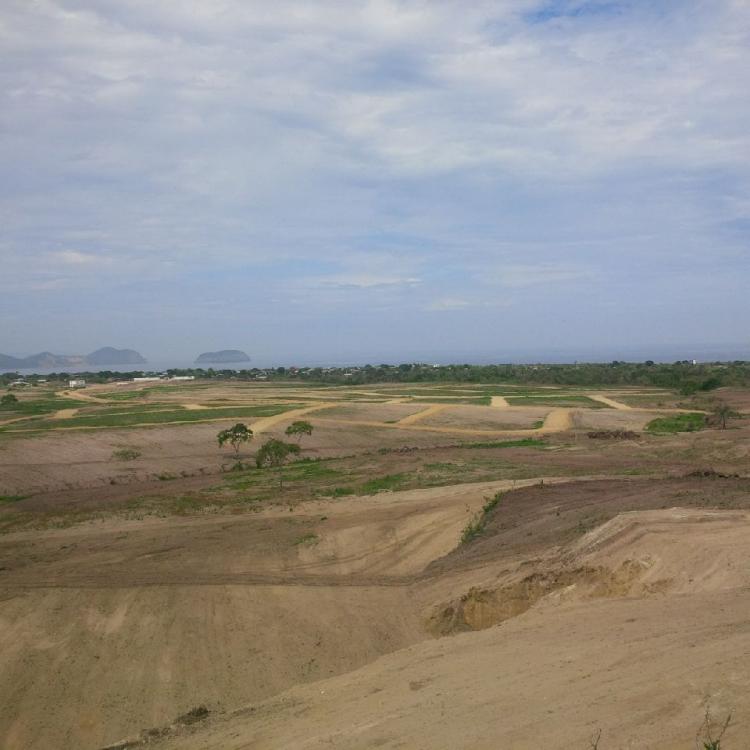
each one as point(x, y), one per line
point(126, 454)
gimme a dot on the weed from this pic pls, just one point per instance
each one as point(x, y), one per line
point(381, 484)
point(307, 540)
point(522, 443)
point(126, 454)
point(12, 498)
point(342, 491)
point(478, 523)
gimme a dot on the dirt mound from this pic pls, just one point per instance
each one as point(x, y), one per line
point(482, 608)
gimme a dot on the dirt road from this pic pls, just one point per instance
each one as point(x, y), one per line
point(420, 415)
point(609, 402)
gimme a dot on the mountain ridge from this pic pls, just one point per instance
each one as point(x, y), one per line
point(106, 355)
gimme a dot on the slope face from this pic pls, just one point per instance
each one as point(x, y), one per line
point(318, 620)
point(603, 644)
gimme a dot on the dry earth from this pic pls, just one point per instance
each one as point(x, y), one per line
point(134, 623)
point(587, 602)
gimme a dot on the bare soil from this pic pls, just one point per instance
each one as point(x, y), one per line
point(607, 589)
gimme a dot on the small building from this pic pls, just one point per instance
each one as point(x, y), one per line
point(183, 377)
point(149, 379)
point(77, 383)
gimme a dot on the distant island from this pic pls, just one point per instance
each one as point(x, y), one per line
point(225, 356)
point(105, 356)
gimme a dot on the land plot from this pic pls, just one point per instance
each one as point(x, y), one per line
point(487, 418)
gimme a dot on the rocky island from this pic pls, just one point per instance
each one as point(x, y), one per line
point(224, 356)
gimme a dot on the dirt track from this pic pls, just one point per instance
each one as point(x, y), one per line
point(420, 415)
point(609, 402)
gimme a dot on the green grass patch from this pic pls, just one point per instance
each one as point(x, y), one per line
point(388, 482)
point(159, 417)
point(309, 468)
point(34, 407)
point(307, 540)
point(126, 454)
point(566, 400)
point(343, 491)
point(690, 422)
point(521, 443)
point(91, 410)
point(11, 498)
point(121, 395)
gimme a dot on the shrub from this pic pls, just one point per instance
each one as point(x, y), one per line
point(126, 454)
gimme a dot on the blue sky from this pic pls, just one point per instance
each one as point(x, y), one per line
point(378, 180)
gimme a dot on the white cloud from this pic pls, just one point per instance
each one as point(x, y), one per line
point(78, 258)
point(362, 280)
point(270, 146)
point(520, 275)
point(448, 303)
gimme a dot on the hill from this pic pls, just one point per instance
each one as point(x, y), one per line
point(110, 356)
point(224, 356)
point(105, 356)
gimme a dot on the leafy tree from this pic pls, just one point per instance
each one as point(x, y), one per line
point(298, 429)
point(8, 400)
point(274, 453)
point(722, 412)
point(235, 436)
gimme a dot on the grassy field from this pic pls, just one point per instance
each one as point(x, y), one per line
point(150, 417)
point(677, 423)
point(37, 406)
point(557, 400)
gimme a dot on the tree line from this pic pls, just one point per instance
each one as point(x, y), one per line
point(682, 376)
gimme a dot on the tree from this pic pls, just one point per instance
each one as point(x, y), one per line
point(8, 400)
point(235, 436)
point(722, 411)
point(274, 453)
point(298, 429)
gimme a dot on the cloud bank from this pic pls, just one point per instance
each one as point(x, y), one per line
point(331, 180)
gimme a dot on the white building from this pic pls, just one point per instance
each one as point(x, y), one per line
point(77, 383)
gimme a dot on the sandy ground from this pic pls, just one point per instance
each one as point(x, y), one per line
point(545, 680)
point(489, 417)
point(548, 631)
point(609, 402)
point(385, 412)
point(420, 416)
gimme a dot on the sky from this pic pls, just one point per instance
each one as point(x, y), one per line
point(375, 180)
